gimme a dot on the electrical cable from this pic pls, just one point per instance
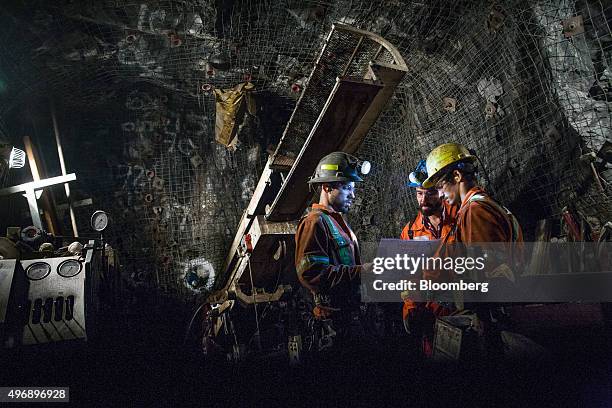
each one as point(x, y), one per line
point(490, 189)
point(263, 313)
point(254, 300)
point(191, 323)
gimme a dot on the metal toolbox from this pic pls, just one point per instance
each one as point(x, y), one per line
point(454, 339)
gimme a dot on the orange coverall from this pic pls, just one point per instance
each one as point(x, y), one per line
point(481, 219)
point(421, 228)
point(319, 262)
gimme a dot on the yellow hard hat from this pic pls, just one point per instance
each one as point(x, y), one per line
point(443, 156)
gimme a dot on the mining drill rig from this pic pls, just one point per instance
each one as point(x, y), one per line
point(257, 306)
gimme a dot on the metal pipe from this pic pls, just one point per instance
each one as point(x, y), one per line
point(60, 153)
point(348, 64)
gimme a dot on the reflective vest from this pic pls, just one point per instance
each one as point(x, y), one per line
point(340, 243)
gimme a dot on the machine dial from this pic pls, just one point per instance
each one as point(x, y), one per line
point(69, 268)
point(99, 221)
point(38, 270)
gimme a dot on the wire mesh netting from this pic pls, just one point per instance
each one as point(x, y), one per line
point(499, 66)
point(528, 85)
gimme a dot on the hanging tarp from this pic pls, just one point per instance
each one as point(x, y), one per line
point(231, 105)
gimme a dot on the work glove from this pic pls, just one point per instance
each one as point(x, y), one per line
point(322, 312)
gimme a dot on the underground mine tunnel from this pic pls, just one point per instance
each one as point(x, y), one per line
point(316, 202)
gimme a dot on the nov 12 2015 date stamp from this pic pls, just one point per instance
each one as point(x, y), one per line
point(34, 394)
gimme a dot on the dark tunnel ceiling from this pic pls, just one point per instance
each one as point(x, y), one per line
point(134, 81)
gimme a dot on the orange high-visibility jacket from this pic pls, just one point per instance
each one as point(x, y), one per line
point(482, 219)
point(318, 259)
point(421, 228)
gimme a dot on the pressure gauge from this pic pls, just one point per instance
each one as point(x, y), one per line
point(99, 221)
point(69, 268)
point(38, 270)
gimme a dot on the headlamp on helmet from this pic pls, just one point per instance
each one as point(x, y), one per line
point(339, 167)
point(418, 176)
point(364, 167)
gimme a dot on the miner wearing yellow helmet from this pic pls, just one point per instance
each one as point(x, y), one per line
point(451, 169)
